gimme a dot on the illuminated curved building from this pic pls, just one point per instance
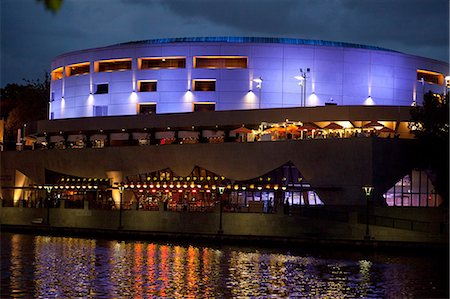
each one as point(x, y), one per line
point(234, 73)
point(269, 120)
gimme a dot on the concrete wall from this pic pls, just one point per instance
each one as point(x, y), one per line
point(234, 224)
point(335, 168)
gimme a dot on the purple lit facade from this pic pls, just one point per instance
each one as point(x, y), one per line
point(341, 74)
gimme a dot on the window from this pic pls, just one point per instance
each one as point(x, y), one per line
point(200, 107)
point(204, 85)
point(100, 110)
point(147, 108)
point(113, 65)
point(102, 88)
point(146, 86)
point(220, 62)
point(57, 74)
point(77, 69)
point(430, 77)
point(162, 63)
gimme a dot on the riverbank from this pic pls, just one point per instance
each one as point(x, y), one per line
point(224, 239)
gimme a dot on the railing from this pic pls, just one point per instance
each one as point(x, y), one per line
point(399, 223)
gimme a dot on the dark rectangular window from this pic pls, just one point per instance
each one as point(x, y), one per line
point(146, 86)
point(430, 77)
point(102, 88)
point(220, 62)
point(113, 65)
point(162, 63)
point(204, 85)
point(149, 108)
point(77, 69)
point(200, 107)
point(100, 110)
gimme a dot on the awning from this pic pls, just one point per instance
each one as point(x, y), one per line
point(56, 138)
point(373, 124)
point(98, 137)
point(333, 126)
point(73, 138)
point(138, 135)
point(211, 133)
point(386, 130)
point(241, 130)
point(166, 135)
point(41, 139)
point(308, 127)
point(119, 136)
point(188, 134)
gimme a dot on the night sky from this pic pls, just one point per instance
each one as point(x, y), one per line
point(32, 35)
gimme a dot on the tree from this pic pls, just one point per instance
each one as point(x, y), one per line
point(430, 125)
point(23, 103)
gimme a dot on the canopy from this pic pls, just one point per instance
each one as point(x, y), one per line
point(373, 124)
point(41, 139)
point(333, 126)
point(138, 135)
point(119, 136)
point(56, 138)
point(166, 135)
point(72, 138)
point(188, 134)
point(386, 130)
point(308, 126)
point(211, 133)
point(98, 137)
point(241, 130)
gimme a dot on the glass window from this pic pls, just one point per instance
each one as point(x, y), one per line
point(430, 77)
point(100, 110)
point(220, 62)
point(162, 63)
point(204, 85)
point(200, 107)
point(77, 69)
point(102, 88)
point(113, 65)
point(413, 189)
point(147, 108)
point(147, 86)
point(57, 74)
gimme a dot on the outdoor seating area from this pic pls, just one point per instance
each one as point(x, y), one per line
point(265, 131)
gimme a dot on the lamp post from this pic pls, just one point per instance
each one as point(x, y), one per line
point(368, 190)
point(447, 84)
point(48, 188)
point(121, 188)
point(302, 82)
point(259, 82)
point(221, 190)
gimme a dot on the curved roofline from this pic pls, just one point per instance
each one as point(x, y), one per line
point(240, 39)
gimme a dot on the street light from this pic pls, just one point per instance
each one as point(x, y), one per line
point(121, 188)
point(302, 82)
point(259, 82)
point(221, 190)
point(368, 190)
point(48, 188)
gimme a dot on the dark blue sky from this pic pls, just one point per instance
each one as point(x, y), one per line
point(31, 35)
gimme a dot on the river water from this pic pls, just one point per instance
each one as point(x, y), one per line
point(35, 266)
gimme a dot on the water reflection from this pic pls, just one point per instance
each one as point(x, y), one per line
point(61, 267)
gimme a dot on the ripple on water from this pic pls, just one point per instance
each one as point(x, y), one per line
point(61, 267)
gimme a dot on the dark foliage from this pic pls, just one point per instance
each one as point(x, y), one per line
point(23, 103)
point(430, 125)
